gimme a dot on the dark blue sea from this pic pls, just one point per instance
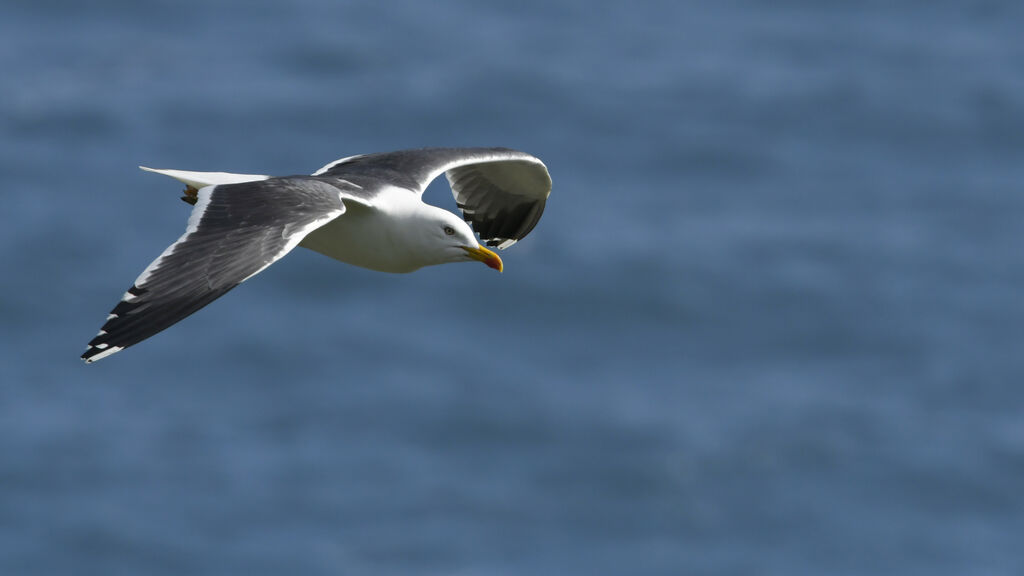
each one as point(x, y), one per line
point(770, 323)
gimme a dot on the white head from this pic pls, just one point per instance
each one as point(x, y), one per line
point(443, 237)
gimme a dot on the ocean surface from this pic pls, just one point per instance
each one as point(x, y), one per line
point(771, 321)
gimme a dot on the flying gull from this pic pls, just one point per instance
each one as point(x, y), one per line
point(365, 210)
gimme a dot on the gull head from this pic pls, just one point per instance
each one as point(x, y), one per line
point(447, 238)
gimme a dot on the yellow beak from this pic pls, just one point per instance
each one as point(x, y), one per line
point(486, 256)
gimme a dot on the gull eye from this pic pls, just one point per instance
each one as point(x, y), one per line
point(448, 230)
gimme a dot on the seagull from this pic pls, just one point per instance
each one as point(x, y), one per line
point(365, 210)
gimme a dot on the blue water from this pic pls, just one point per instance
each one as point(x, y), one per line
point(770, 322)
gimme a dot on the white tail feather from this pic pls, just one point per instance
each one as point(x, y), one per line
point(198, 180)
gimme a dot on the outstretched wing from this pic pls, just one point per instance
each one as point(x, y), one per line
point(501, 192)
point(234, 232)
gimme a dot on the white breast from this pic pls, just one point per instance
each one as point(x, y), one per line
point(370, 237)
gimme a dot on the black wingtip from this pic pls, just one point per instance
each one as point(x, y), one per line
point(99, 350)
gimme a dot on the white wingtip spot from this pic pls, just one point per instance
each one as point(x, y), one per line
point(104, 354)
point(107, 352)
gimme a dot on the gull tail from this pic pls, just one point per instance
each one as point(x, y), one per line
point(196, 180)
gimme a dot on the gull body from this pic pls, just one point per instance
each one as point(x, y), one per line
point(397, 234)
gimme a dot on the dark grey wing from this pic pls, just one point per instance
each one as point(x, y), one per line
point(501, 192)
point(234, 232)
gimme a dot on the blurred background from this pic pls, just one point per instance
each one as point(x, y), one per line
point(769, 324)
